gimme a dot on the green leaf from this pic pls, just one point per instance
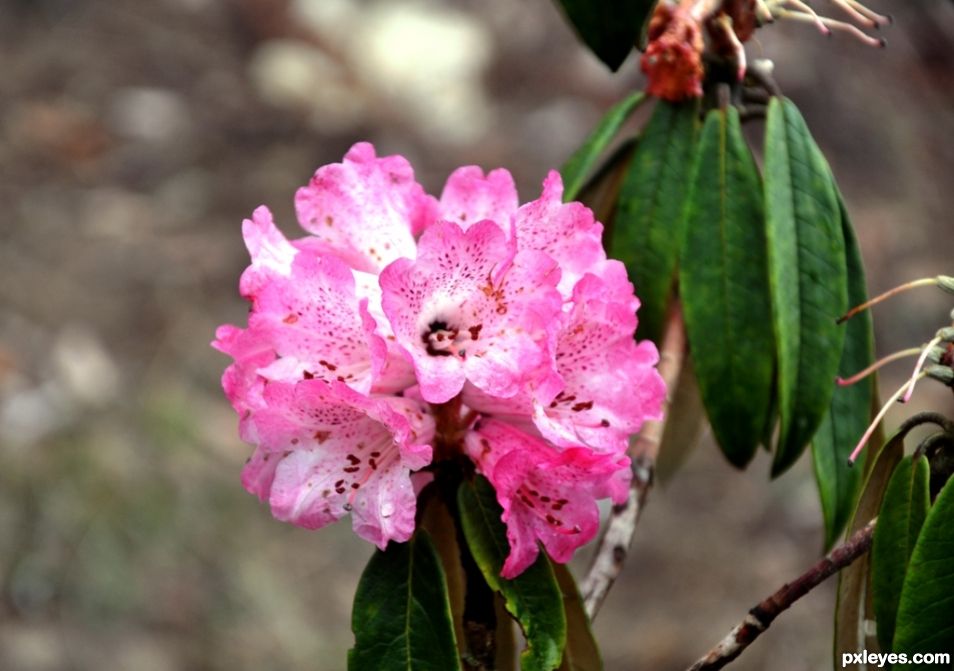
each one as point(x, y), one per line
point(582, 652)
point(808, 276)
point(609, 28)
point(401, 617)
point(903, 510)
point(578, 166)
point(534, 597)
point(647, 231)
point(722, 281)
point(853, 605)
point(850, 409)
point(926, 611)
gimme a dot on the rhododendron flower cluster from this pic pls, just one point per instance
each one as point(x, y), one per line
point(404, 330)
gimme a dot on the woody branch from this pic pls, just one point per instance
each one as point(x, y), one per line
point(760, 617)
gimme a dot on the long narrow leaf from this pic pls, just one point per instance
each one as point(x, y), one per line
point(609, 28)
point(925, 621)
point(850, 409)
point(905, 505)
point(647, 231)
point(582, 652)
point(808, 276)
point(723, 284)
point(853, 607)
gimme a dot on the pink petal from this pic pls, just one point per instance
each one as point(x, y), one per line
point(241, 381)
point(367, 208)
point(271, 252)
point(610, 383)
point(547, 495)
point(340, 452)
point(469, 197)
point(567, 232)
point(516, 410)
point(259, 473)
point(397, 373)
point(317, 324)
point(469, 309)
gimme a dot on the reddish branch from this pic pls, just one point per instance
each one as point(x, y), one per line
point(618, 536)
point(761, 616)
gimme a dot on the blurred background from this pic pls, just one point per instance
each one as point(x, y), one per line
point(135, 136)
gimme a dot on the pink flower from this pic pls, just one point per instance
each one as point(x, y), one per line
point(547, 494)
point(607, 384)
point(367, 208)
point(471, 307)
point(338, 451)
point(504, 325)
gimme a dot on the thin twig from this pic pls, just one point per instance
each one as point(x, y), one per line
point(618, 535)
point(761, 616)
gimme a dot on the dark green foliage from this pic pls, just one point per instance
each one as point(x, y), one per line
point(401, 617)
point(647, 231)
point(723, 281)
point(609, 28)
point(853, 608)
point(582, 652)
point(850, 409)
point(534, 598)
point(902, 513)
point(925, 621)
point(808, 276)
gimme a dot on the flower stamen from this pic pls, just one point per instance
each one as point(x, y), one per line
point(763, 12)
point(881, 413)
point(880, 19)
point(857, 377)
point(805, 9)
point(924, 282)
point(829, 25)
point(917, 367)
point(857, 15)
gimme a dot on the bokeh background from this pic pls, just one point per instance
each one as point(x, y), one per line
point(135, 135)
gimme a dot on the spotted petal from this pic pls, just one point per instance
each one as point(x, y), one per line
point(547, 495)
point(566, 231)
point(271, 252)
point(340, 452)
point(470, 197)
point(610, 383)
point(318, 326)
point(469, 309)
point(241, 382)
point(367, 208)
